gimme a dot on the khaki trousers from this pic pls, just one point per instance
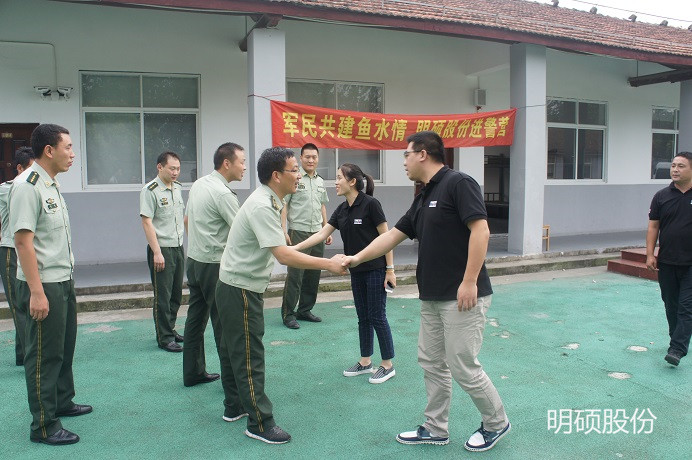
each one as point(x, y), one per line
point(448, 345)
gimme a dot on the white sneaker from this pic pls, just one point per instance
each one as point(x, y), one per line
point(382, 375)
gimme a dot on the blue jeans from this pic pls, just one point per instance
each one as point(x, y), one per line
point(676, 291)
point(371, 302)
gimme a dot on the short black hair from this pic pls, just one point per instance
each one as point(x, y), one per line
point(23, 156)
point(272, 159)
point(163, 158)
point(46, 134)
point(309, 146)
point(687, 155)
point(429, 141)
point(225, 151)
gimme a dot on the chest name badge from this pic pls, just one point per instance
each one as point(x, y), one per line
point(357, 221)
point(51, 203)
point(432, 204)
point(164, 201)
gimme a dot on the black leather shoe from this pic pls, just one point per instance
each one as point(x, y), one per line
point(292, 324)
point(59, 438)
point(178, 338)
point(206, 378)
point(75, 411)
point(172, 347)
point(309, 317)
point(673, 358)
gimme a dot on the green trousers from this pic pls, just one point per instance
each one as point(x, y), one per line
point(242, 320)
point(300, 289)
point(168, 291)
point(8, 271)
point(48, 356)
point(201, 280)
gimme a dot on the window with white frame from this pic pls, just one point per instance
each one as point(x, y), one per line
point(128, 119)
point(576, 139)
point(360, 97)
point(664, 140)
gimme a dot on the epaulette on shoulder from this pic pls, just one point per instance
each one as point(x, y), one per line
point(153, 185)
point(32, 178)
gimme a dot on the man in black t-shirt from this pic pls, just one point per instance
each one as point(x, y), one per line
point(670, 222)
point(449, 220)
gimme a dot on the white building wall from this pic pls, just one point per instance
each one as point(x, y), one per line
point(621, 201)
point(421, 74)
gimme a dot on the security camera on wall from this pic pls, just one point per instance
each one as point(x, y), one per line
point(64, 91)
point(44, 91)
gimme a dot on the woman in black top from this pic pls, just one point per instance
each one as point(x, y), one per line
point(360, 220)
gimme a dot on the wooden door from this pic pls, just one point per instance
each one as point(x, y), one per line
point(12, 136)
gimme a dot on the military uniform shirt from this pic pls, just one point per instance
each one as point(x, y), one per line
point(7, 237)
point(305, 206)
point(247, 263)
point(211, 208)
point(165, 207)
point(37, 205)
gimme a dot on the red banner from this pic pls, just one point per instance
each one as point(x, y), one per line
point(294, 125)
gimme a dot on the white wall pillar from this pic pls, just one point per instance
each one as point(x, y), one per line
point(527, 170)
point(685, 136)
point(470, 160)
point(266, 64)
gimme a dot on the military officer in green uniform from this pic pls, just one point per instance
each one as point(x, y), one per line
point(45, 288)
point(211, 207)
point(162, 210)
point(23, 158)
point(256, 238)
point(304, 215)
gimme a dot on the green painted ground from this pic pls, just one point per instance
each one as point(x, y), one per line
point(142, 410)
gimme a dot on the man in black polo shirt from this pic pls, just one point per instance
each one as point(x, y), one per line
point(670, 222)
point(449, 219)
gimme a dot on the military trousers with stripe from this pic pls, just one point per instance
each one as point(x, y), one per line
point(49, 351)
point(201, 280)
point(168, 291)
point(301, 286)
point(8, 271)
point(242, 320)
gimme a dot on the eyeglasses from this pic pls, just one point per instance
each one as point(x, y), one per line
point(294, 171)
point(407, 152)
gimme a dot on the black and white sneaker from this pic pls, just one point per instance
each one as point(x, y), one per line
point(357, 369)
point(485, 440)
point(382, 375)
point(274, 435)
point(233, 418)
point(421, 436)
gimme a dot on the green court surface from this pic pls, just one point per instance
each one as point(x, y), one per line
point(560, 345)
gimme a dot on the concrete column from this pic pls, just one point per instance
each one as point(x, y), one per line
point(470, 161)
point(266, 64)
point(685, 136)
point(527, 168)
